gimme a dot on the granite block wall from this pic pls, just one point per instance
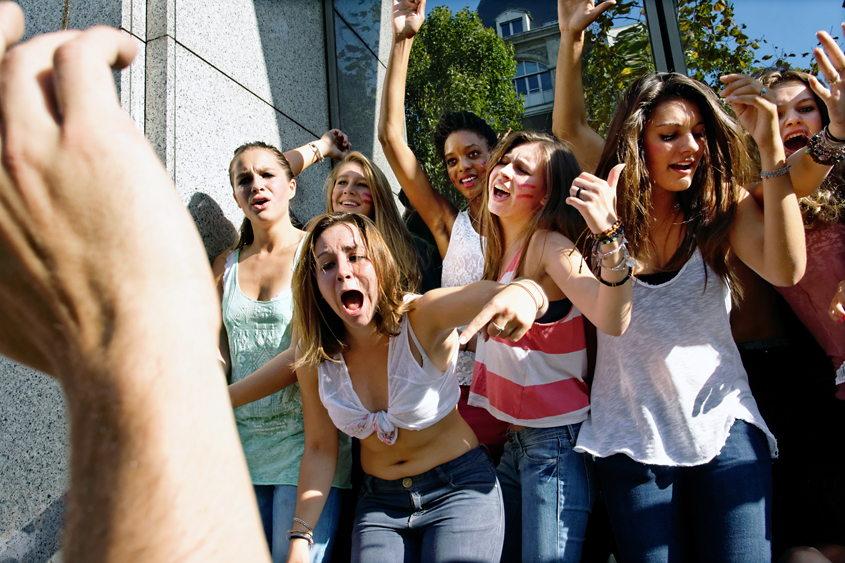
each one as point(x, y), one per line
point(209, 76)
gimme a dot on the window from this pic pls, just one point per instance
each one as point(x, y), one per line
point(534, 82)
point(508, 28)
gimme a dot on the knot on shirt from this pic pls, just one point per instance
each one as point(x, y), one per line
point(374, 422)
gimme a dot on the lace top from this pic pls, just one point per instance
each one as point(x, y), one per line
point(463, 264)
point(271, 429)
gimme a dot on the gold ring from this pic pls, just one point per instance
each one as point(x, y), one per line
point(834, 80)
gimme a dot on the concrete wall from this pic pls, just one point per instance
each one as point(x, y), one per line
point(209, 76)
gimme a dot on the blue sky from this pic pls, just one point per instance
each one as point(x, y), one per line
point(786, 26)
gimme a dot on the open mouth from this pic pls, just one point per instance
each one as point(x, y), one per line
point(499, 192)
point(352, 300)
point(468, 181)
point(259, 202)
point(349, 204)
point(795, 141)
point(683, 167)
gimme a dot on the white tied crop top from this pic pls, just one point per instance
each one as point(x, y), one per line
point(418, 396)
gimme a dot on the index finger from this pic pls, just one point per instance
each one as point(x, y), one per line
point(481, 320)
point(82, 71)
point(11, 25)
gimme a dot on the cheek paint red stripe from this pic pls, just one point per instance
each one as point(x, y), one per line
point(528, 186)
point(366, 199)
point(528, 196)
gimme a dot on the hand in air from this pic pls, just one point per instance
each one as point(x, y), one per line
point(595, 198)
point(408, 17)
point(837, 305)
point(337, 142)
point(755, 112)
point(577, 15)
point(89, 219)
point(832, 66)
point(508, 315)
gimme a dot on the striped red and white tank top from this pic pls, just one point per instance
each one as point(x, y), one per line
point(538, 381)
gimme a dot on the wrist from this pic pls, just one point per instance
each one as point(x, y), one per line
point(836, 132)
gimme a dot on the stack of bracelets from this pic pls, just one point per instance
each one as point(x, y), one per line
point(826, 149)
point(616, 233)
point(307, 536)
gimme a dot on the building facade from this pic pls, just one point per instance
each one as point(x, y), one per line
point(531, 27)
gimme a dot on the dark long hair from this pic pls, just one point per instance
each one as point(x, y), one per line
point(709, 205)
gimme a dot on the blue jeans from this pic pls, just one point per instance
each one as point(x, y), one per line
point(718, 511)
point(277, 504)
point(549, 490)
point(452, 513)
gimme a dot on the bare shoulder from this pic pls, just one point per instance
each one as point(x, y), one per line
point(218, 267)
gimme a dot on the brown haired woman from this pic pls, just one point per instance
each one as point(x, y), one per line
point(681, 448)
point(379, 364)
point(254, 284)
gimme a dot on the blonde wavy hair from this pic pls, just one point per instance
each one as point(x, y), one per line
point(321, 332)
point(386, 216)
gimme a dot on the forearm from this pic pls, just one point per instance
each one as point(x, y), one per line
point(147, 425)
point(302, 157)
point(316, 473)
point(806, 175)
point(569, 117)
point(784, 250)
point(392, 113)
point(270, 378)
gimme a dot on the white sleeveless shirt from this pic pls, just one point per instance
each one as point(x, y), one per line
point(667, 391)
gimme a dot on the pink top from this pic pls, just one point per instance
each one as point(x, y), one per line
point(810, 298)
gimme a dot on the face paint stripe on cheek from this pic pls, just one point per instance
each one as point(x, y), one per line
point(527, 196)
point(366, 199)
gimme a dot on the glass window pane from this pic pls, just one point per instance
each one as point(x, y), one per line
point(520, 69)
point(546, 80)
point(533, 83)
point(516, 26)
point(506, 29)
point(530, 68)
point(520, 86)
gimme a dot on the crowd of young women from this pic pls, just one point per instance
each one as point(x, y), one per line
point(493, 448)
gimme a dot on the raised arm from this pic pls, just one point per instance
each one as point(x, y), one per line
point(319, 462)
point(438, 214)
point(569, 117)
point(273, 376)
point(114, 297)
point(807, 175)
point(770, 241)
point(333, 144)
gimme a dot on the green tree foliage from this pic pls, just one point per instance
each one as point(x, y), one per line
point(714, 44)
point(457, 64)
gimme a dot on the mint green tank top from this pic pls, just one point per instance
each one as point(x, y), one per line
point(271, 429)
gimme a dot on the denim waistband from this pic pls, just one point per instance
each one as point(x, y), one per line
point(529, 436)
point(433, 477)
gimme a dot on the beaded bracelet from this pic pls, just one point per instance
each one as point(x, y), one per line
point(304, 523)
point(612, 234)
point(616, 284)
point(776, 173)
point(823, 150)
point(294, 534)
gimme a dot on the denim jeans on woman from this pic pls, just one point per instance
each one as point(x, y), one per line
point(277, 504)
point(452, 513)
point(549, 490)
point(718, 511)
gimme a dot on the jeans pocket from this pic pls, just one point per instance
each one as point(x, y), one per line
point(542, 452)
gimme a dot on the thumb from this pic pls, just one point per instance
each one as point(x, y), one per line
point(11, 25)
point(615, 173)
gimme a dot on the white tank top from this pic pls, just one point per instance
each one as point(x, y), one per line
point(667, 391)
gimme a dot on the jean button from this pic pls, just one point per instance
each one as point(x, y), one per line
point(406, 482)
